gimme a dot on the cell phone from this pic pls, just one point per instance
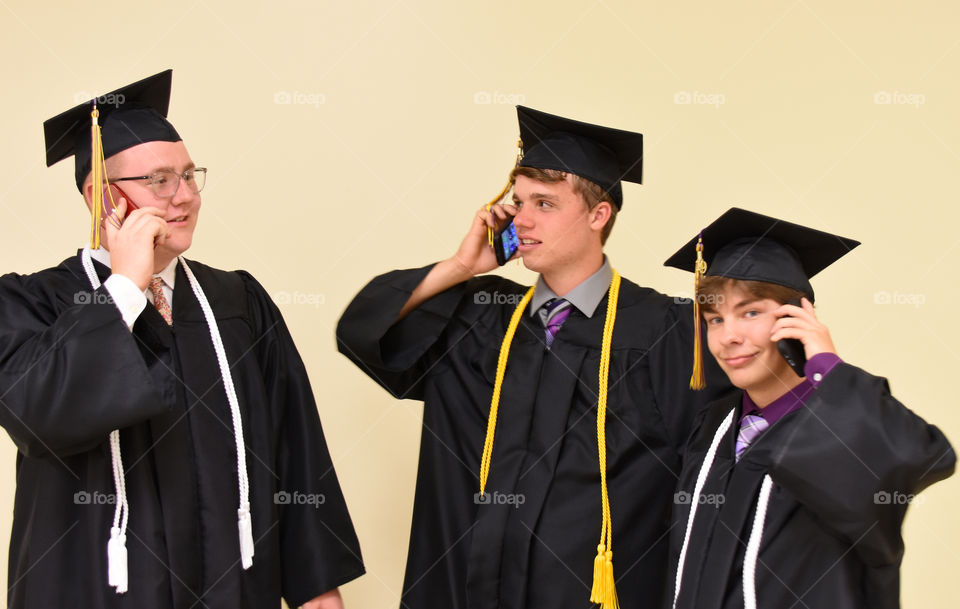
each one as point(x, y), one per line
point(506, 243)
point(792, 349)
point(109, 206)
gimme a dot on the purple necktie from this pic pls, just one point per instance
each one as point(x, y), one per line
point(751, 426)
point(556, 312)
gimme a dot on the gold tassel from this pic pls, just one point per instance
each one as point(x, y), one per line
point(96, 172)
point(609, 589)
point(504, 191)
point(697, 380)
point(596, 593)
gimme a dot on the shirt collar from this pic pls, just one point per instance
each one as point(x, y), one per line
point(780, 407)
point(585, 297)
point(168, 274)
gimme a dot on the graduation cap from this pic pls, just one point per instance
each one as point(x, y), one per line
point(100, 128)
point(745, 245)
point(603, 155)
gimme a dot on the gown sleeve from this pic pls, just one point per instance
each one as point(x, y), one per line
point(70, 370)
point(397, 355)
point(855, 456)
point(319, 546)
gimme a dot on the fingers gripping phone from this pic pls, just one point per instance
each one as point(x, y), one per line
point(111, 199)
point(505, 243)
point(792, 349)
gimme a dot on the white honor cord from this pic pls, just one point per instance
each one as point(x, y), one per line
point(116, 546)
point(695, 498)
point(244, 519)
point(753, 545)
point(117, 573)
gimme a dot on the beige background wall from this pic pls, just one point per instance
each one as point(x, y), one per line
point(347, 139)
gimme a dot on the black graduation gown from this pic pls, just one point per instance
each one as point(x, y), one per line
point(71, 371)
point(842, 467)
point(533, 545)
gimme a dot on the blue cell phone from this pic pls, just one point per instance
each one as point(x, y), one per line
point(506, 243)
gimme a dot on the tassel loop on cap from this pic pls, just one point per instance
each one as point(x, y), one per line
point(697, 380)
point(117, 573)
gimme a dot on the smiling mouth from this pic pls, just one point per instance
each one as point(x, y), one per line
point(529, 241)
point(740, 360)
point(178, 219)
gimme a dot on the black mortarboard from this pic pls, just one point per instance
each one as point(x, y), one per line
point(743, 244)
point(129, 116)
point(746, 245)
point(603, 155)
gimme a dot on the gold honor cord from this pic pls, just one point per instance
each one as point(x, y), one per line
point(697, 380)
point(604, 588)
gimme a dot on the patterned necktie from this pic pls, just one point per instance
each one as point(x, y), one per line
point(751, 426)
point(160, 301)
point(554, 313)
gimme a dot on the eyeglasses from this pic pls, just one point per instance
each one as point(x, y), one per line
point(166, 183)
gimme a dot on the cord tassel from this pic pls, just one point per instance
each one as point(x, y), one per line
point(245, 525)
point(117, 574)
point(596, 593)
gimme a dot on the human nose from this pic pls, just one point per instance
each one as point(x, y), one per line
point(183, 194)
point(523, 218)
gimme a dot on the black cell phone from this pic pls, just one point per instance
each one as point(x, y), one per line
point(506, 243)
point(792, 349)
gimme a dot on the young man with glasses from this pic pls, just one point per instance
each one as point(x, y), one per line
point(170, 450)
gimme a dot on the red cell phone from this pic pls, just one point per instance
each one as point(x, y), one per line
point(109, 204)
